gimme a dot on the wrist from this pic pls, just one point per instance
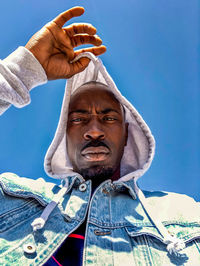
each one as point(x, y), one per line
point(25, 65)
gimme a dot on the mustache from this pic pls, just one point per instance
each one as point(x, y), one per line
point(95, 143)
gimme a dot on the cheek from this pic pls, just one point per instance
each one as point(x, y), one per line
point(118, 135)
point(71, 142)
point(73, 136)
point(74, 141)
point(118, 140)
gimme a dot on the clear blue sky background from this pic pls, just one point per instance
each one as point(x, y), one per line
point(153, 56)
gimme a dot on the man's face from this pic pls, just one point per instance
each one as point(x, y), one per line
point(96, 131)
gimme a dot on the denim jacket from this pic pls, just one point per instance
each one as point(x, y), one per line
point(118, 230)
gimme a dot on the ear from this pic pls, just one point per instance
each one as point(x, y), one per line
point(126, 133)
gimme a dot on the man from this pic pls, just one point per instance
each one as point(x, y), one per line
point(100, 149)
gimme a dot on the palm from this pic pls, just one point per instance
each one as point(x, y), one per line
point(58, 66)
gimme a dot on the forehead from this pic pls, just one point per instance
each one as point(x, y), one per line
point(90, 95)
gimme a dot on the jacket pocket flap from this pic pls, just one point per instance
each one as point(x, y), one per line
point(185, 231)
point(38, 189)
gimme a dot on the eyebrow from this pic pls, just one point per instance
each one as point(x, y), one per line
point(105, 111)
point(108, 110)
point(82, 111)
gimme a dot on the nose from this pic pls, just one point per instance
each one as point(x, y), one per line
point(94, 131)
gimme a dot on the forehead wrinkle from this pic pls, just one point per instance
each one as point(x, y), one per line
point(94, 87)
point(104, 111)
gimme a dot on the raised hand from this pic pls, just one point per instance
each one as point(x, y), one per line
point(54, 44)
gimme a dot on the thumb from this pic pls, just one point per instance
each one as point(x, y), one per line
point(78, 66)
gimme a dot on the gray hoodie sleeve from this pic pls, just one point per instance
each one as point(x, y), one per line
point(19, 73)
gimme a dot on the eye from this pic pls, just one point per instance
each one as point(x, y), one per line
point(78, 120)
point(109, 118)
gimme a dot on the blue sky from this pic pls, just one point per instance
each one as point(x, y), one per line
point(153, 56)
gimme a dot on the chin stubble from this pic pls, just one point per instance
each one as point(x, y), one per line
point(97, 173)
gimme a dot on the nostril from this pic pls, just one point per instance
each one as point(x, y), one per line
point(94, 134)
point(87, 137)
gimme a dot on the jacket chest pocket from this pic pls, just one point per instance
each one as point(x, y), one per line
point(148, 246)
point(16, 238)
point(19, 214)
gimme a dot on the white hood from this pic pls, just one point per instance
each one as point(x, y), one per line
point(138, 152)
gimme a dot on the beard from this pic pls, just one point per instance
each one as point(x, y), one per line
point(97, 174)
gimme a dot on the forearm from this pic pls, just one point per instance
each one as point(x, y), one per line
point(19, 73)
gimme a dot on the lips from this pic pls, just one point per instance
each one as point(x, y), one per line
point(99, 153)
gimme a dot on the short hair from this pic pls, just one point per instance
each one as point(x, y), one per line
point(94, 82)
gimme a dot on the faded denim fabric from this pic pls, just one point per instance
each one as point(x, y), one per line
point(118, 232)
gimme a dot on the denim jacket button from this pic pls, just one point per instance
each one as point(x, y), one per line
point(29, 248)
point(82, 187)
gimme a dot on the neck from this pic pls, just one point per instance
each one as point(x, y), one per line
point(96, 182)
point(116, 174)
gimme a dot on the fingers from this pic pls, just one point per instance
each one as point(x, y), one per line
point(62, 18)
point(83, 62)
point(77, 28)
point(95, 50)
point(82, 39)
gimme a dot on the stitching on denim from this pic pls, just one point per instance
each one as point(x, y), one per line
point(19, 208)
point(146, 234)
point(190, 236)
point(110, 213)
point(107, 225)
point(148, 249)
point(19, 244)
point(56, 242)
point(141, 224)
point(197, 244)
point(32, 211)
point(19, 194)
point(193, 238)
point(143, 251)
point(131, 246)
point(92, 202)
